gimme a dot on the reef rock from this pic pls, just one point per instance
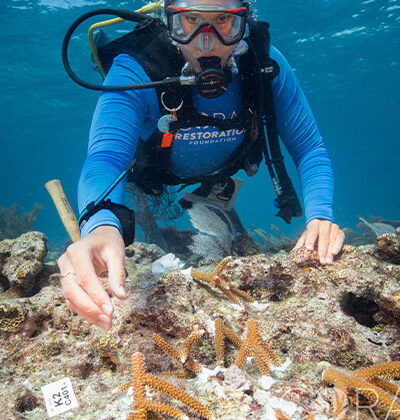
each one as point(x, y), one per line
point(21, 260)
point(387, 248)
point(345, 315)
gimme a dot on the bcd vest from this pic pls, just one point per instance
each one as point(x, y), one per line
point(150, 44)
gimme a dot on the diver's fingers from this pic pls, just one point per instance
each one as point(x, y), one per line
point(81, 257)
point(338, 243)
point(335, 242)
point(323, 239)
point(79, 302)
point(300, 242)
point(115, 260)
point(332, 238)
point(312, 233)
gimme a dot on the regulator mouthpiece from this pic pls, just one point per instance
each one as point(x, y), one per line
point(212, 81)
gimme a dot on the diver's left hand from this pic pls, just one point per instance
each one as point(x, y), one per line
point(330, 239)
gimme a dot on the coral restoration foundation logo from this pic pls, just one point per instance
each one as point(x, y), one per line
point(209, 135)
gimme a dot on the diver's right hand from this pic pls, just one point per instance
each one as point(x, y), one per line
point(102, 249)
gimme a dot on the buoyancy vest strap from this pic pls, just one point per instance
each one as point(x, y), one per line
point(287, 200)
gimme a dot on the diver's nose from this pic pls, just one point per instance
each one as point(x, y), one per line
point(206, 39)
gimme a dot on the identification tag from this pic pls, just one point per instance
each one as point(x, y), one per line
point(59, 397)
point(165, 121)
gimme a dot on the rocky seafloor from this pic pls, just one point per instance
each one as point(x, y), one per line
point(345, 315)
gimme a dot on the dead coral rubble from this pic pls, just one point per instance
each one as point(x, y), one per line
point(344, 316)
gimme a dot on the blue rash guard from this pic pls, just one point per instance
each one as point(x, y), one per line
point(121, 118)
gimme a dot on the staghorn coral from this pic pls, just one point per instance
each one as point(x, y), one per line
point(369, 382)
point(311, 416)
point(280, 414)
point(255, 346)
point(190, 367)
point(222, 332)
point(383, 370)
point(371, 227)
point(143, 407)
point(216, 280)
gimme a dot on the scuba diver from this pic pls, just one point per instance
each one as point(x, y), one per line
point(206, 95)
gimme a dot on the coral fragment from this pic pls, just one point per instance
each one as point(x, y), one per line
point(144, 408)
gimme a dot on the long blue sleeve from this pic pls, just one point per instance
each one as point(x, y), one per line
point(121, 118)
point(299, 132)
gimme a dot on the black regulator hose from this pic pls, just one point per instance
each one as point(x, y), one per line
point(123, 14)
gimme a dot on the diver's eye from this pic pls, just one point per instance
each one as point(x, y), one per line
point(192, 18)
point(223, 18)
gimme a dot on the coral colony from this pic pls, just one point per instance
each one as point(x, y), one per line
point(369, 383)
point(254, 346)
point(190, 368)
point(143, 407)
point(216, 280)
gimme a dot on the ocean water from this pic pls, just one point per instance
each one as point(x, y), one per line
point(346, 55)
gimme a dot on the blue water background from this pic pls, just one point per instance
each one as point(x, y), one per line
point(346, 55)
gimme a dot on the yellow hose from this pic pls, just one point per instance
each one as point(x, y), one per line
point(149, 8)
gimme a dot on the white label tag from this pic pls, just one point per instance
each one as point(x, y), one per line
point(59, 397)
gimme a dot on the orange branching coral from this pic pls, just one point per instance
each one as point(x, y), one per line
point(280, 414)
point(143, 409)
point(221, 282)
point(311, 416)
point(190, 367)
point(383, 370)
point(369, 382)
point(222, 332)
point(255, 346)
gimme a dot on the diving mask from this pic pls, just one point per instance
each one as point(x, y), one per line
point(224, 21)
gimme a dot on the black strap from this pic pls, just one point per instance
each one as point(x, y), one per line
point(287, 200)
point(125, 215)
point(195, 119)
point(150, 45)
